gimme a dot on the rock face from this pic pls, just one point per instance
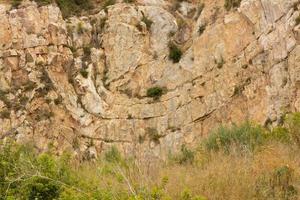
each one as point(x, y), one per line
point(80, 84)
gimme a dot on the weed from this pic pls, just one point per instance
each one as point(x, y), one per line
point(108, 3)
point(84, 73)
point(229, 4)
point(80, 28)
point(292, 122)
point(147, 21)
point(73, 7)
point(30, 85)
point(201, 29)
point(129, 1)
point(153, 134)
point(297, 20)
point(113, 155)
point(175, 53)
point(16, 3)
point(246, 137)
point(155, 92)
point(186, 156)
point(5, 114)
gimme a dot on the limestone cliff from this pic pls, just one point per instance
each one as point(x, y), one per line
point(81, 83)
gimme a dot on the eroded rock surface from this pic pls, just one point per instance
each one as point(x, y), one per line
point(80, 84)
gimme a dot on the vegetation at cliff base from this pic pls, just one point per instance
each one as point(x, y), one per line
point(240, 162)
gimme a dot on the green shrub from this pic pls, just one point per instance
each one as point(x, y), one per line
point(153, 134)
point(73, 7)
point(4, 99)
point(297, 20)
point(108, 3)
point(147, 21)
point(113, 155)
point(229, 4)
point(155, 92)
point(129, 1)
point(280, 134)
point(5, 114)
point(246, 136)
point(201, 29)
point(43, 2)
point(25, 175)
point(174, 53)
point(15, 3)
point(186, 195)
point(277, 184)
point(84, 73)
point(87, 51)
point(67, 7)
point(80, 28)
point(30, 85)
point(186, 156)
point(292, 122)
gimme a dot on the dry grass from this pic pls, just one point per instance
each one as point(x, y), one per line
point(233, 176)
point(214, 176)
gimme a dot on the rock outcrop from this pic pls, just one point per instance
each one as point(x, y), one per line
point(80, 84)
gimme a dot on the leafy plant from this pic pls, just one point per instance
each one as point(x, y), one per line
point(246, 136)
point(175, 53)
point(108, 3)
point(15, 3)
point(201, 29)
point(147, 21)
point(186, 156)
point(80, 28)
point(5, 114)
point(153, 134)
point(73, 7)
point(229, 4)
point(297, 20)
point(292, 122)
point(84, 73)
point(113, 155)
point(155, 92)
point(43, 2)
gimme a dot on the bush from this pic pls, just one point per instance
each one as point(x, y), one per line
point(297, 20)
point(278, 184)
point(174, 53)
point(67, 7)
point(280, 134)
point(15, 3)
point(26, 175)
point(84, 73)
point(80, 28)
point(292, 122)
point(108, 3)
point(229, 4)
point(113, 155)
point(129, 1)
point(155, 92)
point(87, 51)
point(246, 136)
point(201, 29)
point(43, 2)
point(153, 134)
point(147, 21)
point(5, 114)
point(73, 7)
point(186, 156)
